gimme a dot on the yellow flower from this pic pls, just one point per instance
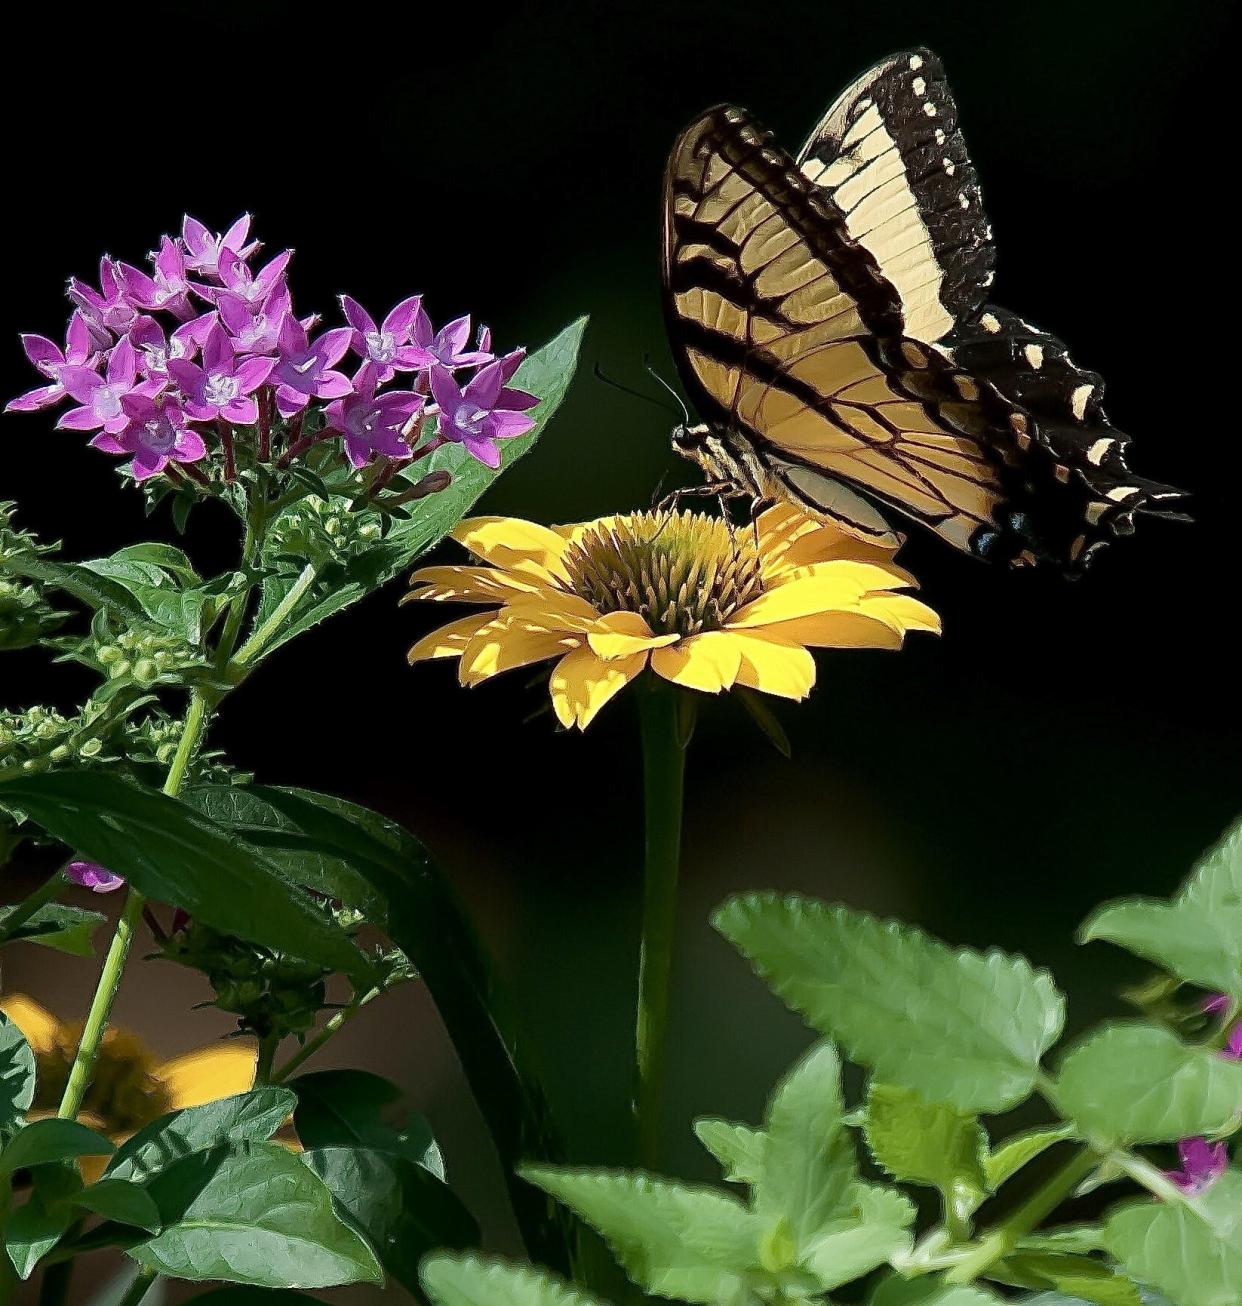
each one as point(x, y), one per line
point(130, 1086)
point(706, 605)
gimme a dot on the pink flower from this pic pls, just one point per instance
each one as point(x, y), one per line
point(147, 335)
point(304, 371)
point(90, 875)
point(100, 397)
point(1203, 1163)
point(387, 347)
point(483, 412)
point(448, 345)
point(51, 360)
point(157, 434)
point(167, 287)
point(252, 287)
point(255, 330)
point(107, 311)
point(224, 385)
point(372, 424)
point(203, 249)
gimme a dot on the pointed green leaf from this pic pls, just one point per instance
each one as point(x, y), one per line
point(33, 1230)
point(45, 1141)
point(17, 1076)
point(957, 1026)
point(923, 1292)
point(1192, 1252)
point(739, 1148)
point(122, 1201)
point(1140, 1084)
point(62, 928)
point(480, 1281)
point(1010, 1157)
point(673, 1240)
point(1079, 1277)
point(874, 1232)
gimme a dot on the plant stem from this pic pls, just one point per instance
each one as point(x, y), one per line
point(54, 1289)
point(1037, 1207)
point(138, 1289)
point(30, 905)
point(267, 1056)
point(663, 787)
point(260, 638)
point(122, 940)
point(312, 1045)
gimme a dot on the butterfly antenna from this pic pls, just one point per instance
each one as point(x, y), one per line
point(680, 402)
point(634, 394)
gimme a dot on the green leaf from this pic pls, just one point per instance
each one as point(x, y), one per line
point(171, 853)
point(923, 1292)
point(673, 1240)
point(240, 1295)
point(1078, 1276)
point(1010, 1157)
point(809, 1164)
point(1080, 1239)
point(33, 1230)
point(739, 1148)
point(1198, 935)
point(245, 1117)
point(546, 373)
point(65, 929)
point(1139, 1084)
point(927, 1143)
point(476, 1281)
point(256, 1216)
point(167, 557)
point(875, 1231)
point(1190, 1252)
point(159, 595)
point(94, 591)
point(427, 923)
point(957, 1026)
point(17, 1076)
point(346, 1108)
point(122, 1201)
point(399, 1207)
point(45, 1141)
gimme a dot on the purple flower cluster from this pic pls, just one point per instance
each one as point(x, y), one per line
point(203, 350)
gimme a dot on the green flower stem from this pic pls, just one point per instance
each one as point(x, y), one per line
point(268, 1045)
point(256, 525)
point(118, 951)
point(996, 1245)
point(30, 905)
point(263, 636)
point(664, 759)
point(312, 1045)
point(138, 1289)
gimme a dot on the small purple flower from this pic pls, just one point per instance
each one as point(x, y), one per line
point(254, 330)
point(304, 371)
point(1216, 1004)
point(448, 345)
point(50, 359)
point(166, 288)
point(387, 348)
point(203, 248)
point(483, 412)
point(1202, 1164)
point(147, 335)
point(90, 875)
point(157, 434)
point(224, 385)
point(100, 397)
point(108, 311)
point(1233, 1048)
point(252, 287)
point(371, 423)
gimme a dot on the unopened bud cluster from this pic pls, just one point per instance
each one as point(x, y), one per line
point(37, 738)
point(321, 530)
point(145, 655)
point(26, 615)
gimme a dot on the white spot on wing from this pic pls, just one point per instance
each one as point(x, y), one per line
point(929, 109)
point(916, 62)
point(1095, 455)
point(920, 86)
point(1034, 355)
point(1079, 399)
point(990, 323)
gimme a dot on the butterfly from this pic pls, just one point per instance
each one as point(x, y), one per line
point(830, 319)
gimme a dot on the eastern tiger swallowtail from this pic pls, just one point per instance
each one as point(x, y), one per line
point(830, 320)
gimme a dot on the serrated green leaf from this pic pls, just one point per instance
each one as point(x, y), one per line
point(876, 1231)
point(739, 1148)
point(923, 1292)
point(1081, 1239)
point(926, 1143)
point(94, 591)
point(45, 1141)
point(254, 1116)
point(17, 1076)
point(1010, 1157)
point(1141, 1084)
point(256, 1216)
point(673, 1240)
point(957, 1026)
point(57, 926)
point(399, 1207)
point(479, 1281)
point(1190, 1252)
point(1080, 1277)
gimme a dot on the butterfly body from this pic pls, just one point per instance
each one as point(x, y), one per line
point(830, 320)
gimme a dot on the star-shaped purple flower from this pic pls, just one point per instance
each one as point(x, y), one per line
point(224, 385)
point(304, 370)
point(203, 248)
point(90, 875)
point(252, 287)
point(448, 345)
point(387, 347)
point(156, 348)
point(1202, 1164)
point(107, 311)
point(166, 288)
point(156, 435)
point(50, 360)
point(484, 411)
point(100, 397)
point(371, 423)
point(255, 330)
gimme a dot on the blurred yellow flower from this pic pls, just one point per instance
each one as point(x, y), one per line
point(130, 1086)
point(706, 605)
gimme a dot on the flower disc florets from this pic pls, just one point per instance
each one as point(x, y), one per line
point(682, 572)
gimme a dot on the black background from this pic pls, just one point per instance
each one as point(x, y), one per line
point(1061, 744)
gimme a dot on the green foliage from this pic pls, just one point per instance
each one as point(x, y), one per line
point(54, 925)
point(1191, 1251)
point(739, 1148)
point(1197, 936)
point(479, 1281)
point(1138, 1084)
point(46, 1141)
point(956, 1026)
point(1020, 1150)
point(17, 1076)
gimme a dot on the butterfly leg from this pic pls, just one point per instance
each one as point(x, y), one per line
point(720, 489)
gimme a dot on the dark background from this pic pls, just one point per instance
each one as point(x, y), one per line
point(1061, 744)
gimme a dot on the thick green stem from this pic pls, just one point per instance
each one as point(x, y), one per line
point(267, 1057)
point(663, 786)
point(30, 905)
point(260, 639)
point(138, 1289)
point(312, 1045)
point(122, 940)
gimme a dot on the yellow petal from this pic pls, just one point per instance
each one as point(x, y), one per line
point(775, 668)
point(828, 544)
point(622, 634)
point(472, 585)
point(508, 642)
point(448, 641)
point(904, 612)
point(557, 610)
point(847, 628)
point(41, 1029)
point(512, 542)
point(779, 526)
point(825, 586)
point(708, 662)
point(208, 1073)
point(582, 683)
